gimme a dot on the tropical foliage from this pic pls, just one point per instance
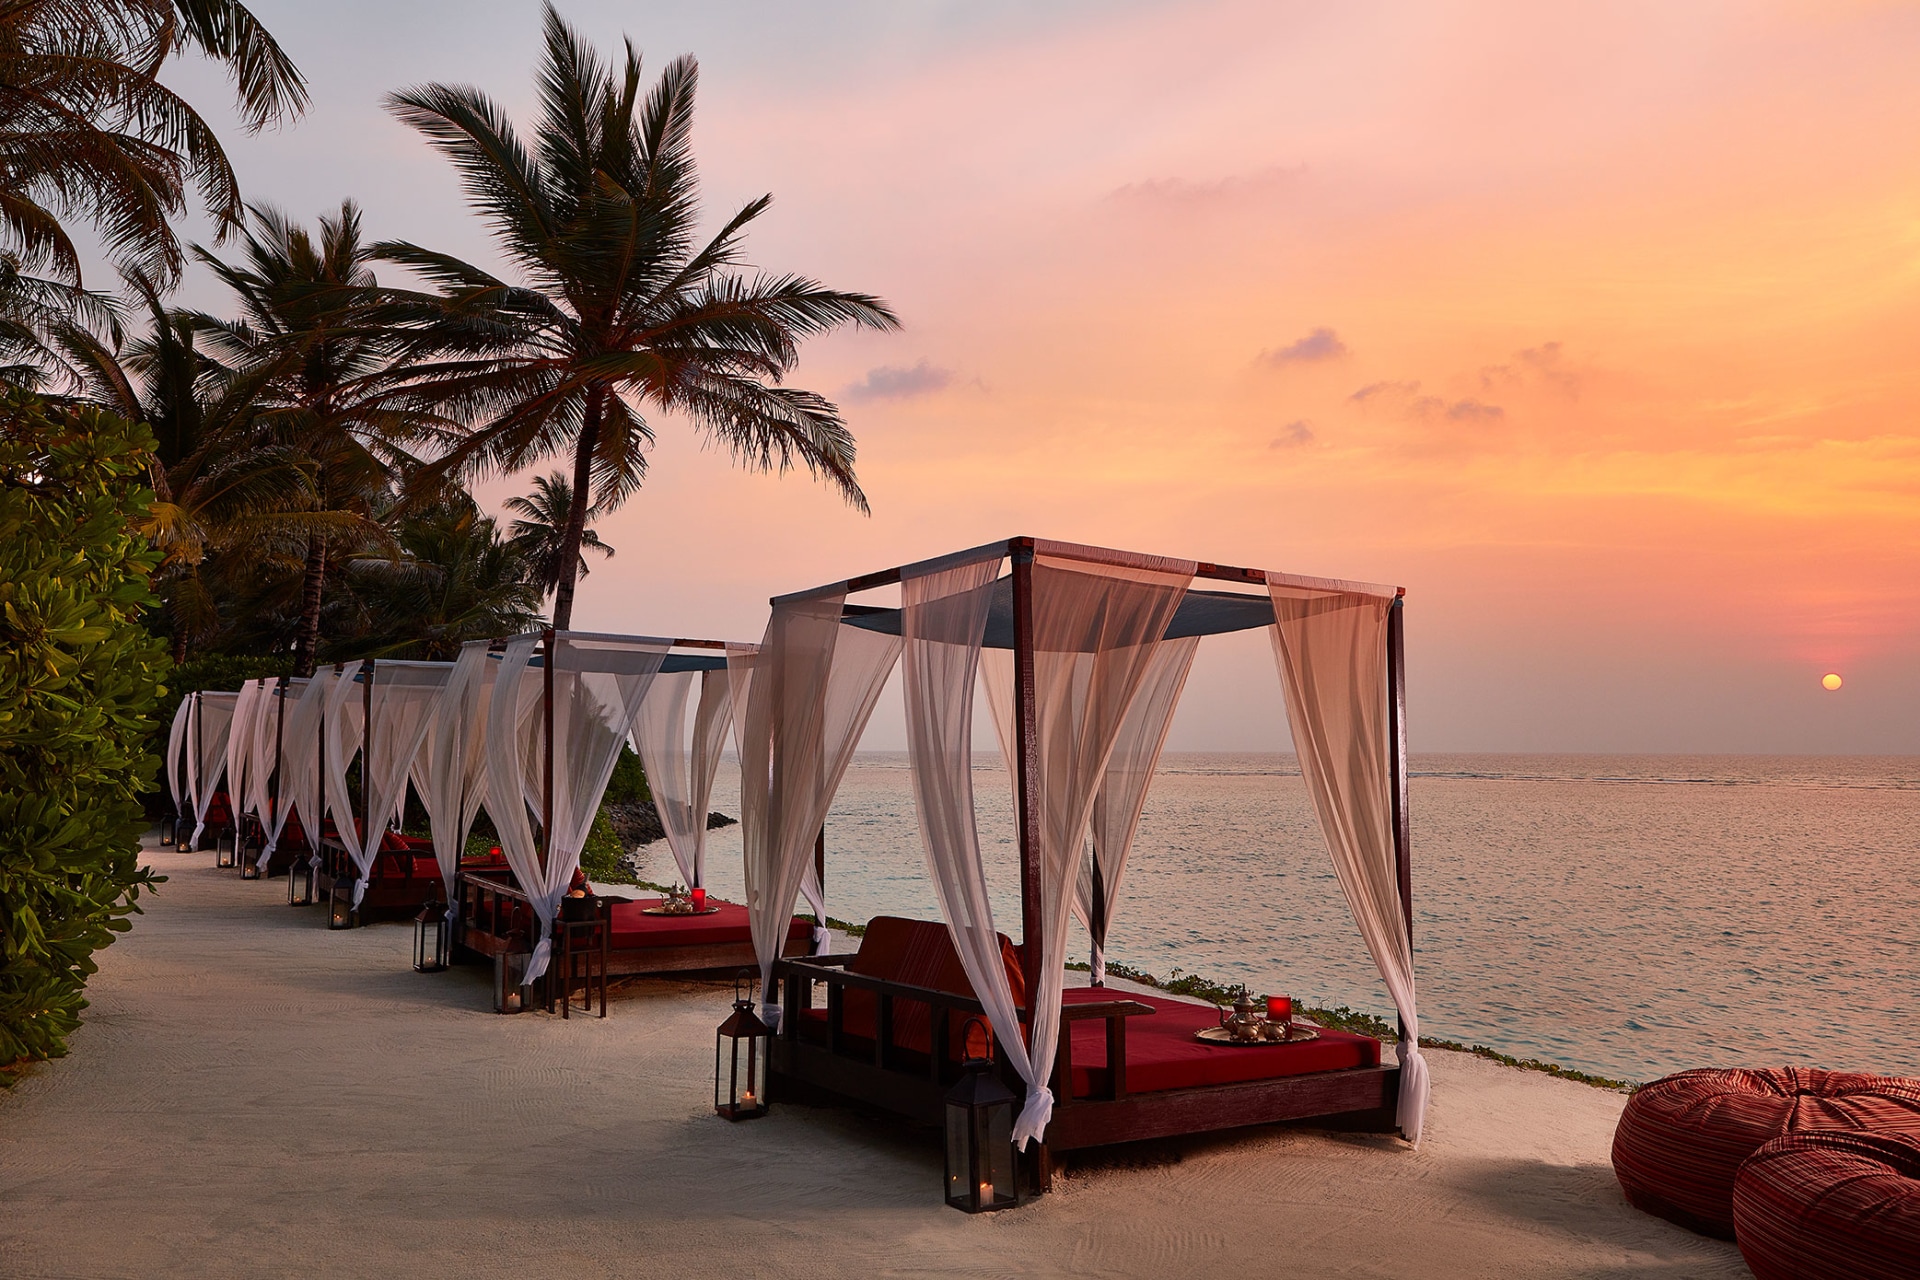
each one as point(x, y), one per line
point(80, 680)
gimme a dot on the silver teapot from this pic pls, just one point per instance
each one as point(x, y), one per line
point(1246, 1023)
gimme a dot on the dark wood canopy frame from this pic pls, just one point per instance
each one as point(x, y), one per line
point(892, 1079)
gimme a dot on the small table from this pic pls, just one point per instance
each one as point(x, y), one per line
point(586, 951)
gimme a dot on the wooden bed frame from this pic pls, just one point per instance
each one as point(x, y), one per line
point(494, 923)
point(912, 1085)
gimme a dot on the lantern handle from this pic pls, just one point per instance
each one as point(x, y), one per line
point(966, 1039)
point(744, 976)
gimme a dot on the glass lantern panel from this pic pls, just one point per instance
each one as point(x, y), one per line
point(999, 1152)
point(957, 1149)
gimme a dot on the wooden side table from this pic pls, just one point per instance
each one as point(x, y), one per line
point(586, 951)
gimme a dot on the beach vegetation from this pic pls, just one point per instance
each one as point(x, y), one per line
point(80, 685)
point(623, 312)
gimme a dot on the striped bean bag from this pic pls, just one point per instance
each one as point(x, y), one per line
point(1830, 1206)
point(1682, 1139)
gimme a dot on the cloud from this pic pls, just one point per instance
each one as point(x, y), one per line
point(895, 382)
point(1542, 362)
point(1184, 194)
point(1456, 410)
point(1322, 344)
point(1376, 390)
point(1293, 435)
point(1427, 406)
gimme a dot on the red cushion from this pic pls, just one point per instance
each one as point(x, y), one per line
point(1681, 1139)
point(1830, 1206)
point(633, 929)
point(919, 953)
point(1162, 1053)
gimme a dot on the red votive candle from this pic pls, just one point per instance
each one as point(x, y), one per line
point(699, 899)
point(1280, 1008)
point(494, 852)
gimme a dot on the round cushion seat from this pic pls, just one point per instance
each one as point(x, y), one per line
point(1682, 1139)
point(1830, 1205)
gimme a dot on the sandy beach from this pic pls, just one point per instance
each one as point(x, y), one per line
point(255, 1096)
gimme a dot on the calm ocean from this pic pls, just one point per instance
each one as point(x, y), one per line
point(1626, 915)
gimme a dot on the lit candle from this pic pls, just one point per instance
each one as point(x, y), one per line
point(1280, 1008)
point(699, 899)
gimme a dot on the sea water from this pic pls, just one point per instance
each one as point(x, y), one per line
point(1624, 915)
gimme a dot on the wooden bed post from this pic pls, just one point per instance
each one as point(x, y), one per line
point(1397, 739)
point(366, 757)
point(819, 870)
point(1026, 732)
point(546, 739)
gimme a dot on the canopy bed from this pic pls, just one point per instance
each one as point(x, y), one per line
point(1083, 652)
point(178, 776)
point(554, 709)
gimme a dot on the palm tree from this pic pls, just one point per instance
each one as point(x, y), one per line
point(623, 312)
point(306, 360)
point(456, 579)
point(87, 131)
point(541, 530)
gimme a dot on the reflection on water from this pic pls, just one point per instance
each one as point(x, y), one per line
point(1628, 915)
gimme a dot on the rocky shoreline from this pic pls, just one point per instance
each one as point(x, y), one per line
point(639, 823)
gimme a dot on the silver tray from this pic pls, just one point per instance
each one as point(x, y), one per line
point(1299, 1033)
point(662, 911)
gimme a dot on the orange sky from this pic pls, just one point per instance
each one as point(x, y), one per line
point(1594, 325)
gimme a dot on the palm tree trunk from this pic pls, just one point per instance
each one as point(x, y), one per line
point(569, 568)
point(307, 639)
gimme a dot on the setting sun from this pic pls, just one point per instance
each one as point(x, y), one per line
point(1830, 681)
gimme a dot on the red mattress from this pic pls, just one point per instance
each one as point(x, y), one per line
point(1162, 1053)
point(634, 930)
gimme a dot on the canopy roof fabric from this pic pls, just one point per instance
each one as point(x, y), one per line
point(212, 718)
point(1201, 613)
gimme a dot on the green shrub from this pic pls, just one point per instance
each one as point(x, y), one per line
point(80, 684)
point(628, 785)
point(600, 857)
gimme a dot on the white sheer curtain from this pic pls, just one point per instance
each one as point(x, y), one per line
point(405, 696)
point(342, 740)
point(213, 714)
point(599, 682)
point(1330, 640)
point(1096, 627)
point(260, 761)
point(176, 755)
point(240, 749)
point(812, 687)
point(303, 759)
point(299, 702)
point(1123, 788)
point(943, 618)
point(680, 774)
point(455, 754)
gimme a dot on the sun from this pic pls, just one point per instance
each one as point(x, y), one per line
point(1831, 681)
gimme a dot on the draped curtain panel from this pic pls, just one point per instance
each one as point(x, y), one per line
point(598, 683)
point(301, 758)
point(812, 687)
point(1331, 645)
point(405, 697)
point(506, 783)
point(1123, 787)
point(341, 743)
point(214, 715)
point(176, 754)
point(1096, 628)
point(240, 747)
point(292, 757)
point(943, 619)
point(260, 759)
point(452, 770)
point(680, 773)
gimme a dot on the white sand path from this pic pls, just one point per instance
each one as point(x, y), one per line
point(255, 1096)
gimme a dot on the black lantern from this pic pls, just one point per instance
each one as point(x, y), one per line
point(430, 936)
point(300, 882)
point(340, 904)
point(249, 868)
point(169, 825)
point(980, 1159)
point(226, 850)
point(742, 1040)
point(510, 991)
